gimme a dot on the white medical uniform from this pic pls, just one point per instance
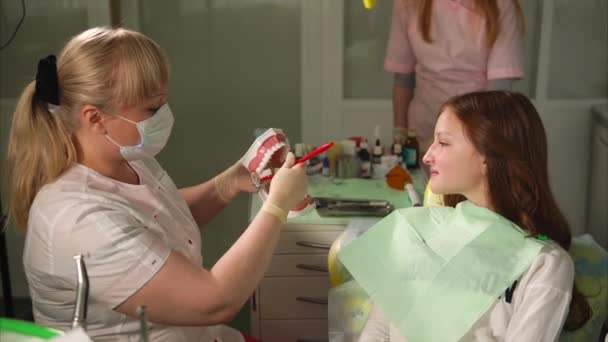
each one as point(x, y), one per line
point(536, 313)
point(127, 232)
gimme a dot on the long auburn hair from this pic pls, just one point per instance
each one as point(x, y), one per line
point(488, 9)
point(507, 130)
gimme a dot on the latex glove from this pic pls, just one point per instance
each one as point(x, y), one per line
point(240, 179)
point(289, 185)
point(232, 181)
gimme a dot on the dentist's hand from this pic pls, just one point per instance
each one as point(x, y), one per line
point(238, 179)
point(289, 184)
point(233, 180)
point(241, 178)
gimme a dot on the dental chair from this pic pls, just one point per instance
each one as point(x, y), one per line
point(591, 267)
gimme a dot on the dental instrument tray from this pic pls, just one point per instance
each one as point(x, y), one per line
point(327, 206)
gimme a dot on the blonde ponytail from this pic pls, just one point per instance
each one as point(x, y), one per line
point(40, 148)
point(104, 67)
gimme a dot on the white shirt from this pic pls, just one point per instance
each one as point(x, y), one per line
point(126, 232)
point(537, 311)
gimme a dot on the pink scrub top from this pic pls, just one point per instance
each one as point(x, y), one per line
point(457, 61)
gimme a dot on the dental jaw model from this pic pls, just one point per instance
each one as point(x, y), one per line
point(267, 152)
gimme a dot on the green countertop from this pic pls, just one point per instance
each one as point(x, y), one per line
point(353, 188)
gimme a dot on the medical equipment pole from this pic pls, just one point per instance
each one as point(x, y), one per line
point(7, 293)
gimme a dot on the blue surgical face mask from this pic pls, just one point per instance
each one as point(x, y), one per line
point(154, 133)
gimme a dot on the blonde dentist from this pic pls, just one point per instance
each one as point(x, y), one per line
point(83, 179)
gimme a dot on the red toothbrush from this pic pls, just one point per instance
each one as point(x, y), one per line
point(316, 151)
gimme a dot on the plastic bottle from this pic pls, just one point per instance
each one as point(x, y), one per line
point(332, 155)
point(411, 152)
point(397, 149)
point(377, 150)
point(377, 153)
point(366, 165)
point(299, 150)
point(325, 169)
point(348, 160)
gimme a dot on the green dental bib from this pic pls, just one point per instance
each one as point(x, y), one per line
point(434, 271)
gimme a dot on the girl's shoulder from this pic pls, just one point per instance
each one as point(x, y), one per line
point(553, 267)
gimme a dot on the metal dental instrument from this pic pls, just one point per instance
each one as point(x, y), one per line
point(82, 294)
point(143, 323)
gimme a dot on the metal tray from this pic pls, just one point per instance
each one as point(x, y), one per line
point(327, 206)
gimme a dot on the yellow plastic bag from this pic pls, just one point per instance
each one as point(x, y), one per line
point(369, 4)
point(431, 199)
point(348, 311)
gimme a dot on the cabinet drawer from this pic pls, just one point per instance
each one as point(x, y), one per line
point(294, 297)
point(306, 242)
point(294, 331)
point(298, 265)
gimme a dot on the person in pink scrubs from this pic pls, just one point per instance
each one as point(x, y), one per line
point(438, 49)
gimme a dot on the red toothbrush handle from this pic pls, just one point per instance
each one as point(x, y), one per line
point(316, 151)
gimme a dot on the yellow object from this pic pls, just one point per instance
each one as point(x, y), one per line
point(332, 155)
point(431, 199)
point(349, 308)
point(369, 4)
point(337, 272)
point(359, 307)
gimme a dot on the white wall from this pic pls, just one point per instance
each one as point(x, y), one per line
point(568, 127)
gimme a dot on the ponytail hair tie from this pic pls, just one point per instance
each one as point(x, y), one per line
point(47, 84)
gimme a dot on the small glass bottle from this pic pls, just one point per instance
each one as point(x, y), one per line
point(377, 152)
point(411, 151)
point(366, 165)
point(397, 149)
point(299, 150)
point(325, 168)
